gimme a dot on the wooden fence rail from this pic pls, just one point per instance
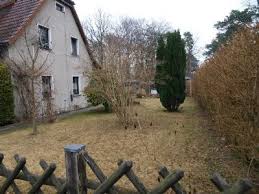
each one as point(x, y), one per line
point(77, 182)
point(241, 186)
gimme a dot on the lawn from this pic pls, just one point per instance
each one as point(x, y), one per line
point(182, 140)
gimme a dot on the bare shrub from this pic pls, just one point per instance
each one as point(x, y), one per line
point(227, 86)
point(109, 83)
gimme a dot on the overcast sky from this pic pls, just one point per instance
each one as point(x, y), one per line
point(196, 16)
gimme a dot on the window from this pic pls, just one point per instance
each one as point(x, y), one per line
point(46, 86)
point(60, 7)
point(74, 46)
point(76, 85)
point(44, 37)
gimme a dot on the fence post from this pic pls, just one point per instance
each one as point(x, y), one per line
point(75, 169)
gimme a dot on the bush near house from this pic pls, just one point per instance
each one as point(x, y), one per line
point(95, 97)
point(6, 96)
point(227, 86)
point(107, 86)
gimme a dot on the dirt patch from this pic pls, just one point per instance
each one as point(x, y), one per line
point(177, 140)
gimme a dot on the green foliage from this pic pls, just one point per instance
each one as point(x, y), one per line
point(96, 98)
point(230, 25)
point(6, 96)
point(170, 70)
point(160, 49)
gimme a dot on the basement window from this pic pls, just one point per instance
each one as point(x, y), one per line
point(60, 7)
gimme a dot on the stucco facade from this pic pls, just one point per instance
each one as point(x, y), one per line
point(62, 65)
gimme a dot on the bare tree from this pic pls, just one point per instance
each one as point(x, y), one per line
point(191, 51)
point(137, 39)
point(126, 51)
point(97, 27)
point(27, 67)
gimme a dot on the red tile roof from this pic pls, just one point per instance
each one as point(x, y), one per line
point(4, 3)
point(15, 16)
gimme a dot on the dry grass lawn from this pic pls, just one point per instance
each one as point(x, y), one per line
point(177, 140)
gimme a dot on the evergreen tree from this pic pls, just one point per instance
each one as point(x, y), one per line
point(170, 70)
point(230, 25)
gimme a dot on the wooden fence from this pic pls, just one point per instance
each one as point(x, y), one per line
point(76, 181)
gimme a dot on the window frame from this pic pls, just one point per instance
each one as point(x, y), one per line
point(49, 46)
point(63, 7)
point(78, 85)
point(77, 46)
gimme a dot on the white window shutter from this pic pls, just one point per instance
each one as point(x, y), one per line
point(78, 47)
point(79, 83)
point(52, 87)
point(50, 39)
point(52, 83)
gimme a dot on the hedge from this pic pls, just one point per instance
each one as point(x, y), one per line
point(6, 97)
point(227, 86)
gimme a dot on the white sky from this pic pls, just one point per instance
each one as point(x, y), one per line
point(196, 16)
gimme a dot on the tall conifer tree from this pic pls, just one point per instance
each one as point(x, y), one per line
point(170, 71)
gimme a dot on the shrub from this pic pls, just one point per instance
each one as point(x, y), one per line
point(108, 87)
point(96, 98)
point(227, 86)
point(170, 71)
point(6, 96)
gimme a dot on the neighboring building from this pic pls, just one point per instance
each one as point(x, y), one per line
point(62, 38)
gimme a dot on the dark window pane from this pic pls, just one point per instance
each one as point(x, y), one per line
point(59, 7)
point(44, 37)
point(76, 85)
point(46, 86)
point(74, 43)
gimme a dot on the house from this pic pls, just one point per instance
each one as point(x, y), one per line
point(57, 27)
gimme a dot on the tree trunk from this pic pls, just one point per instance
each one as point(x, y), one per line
point(257, 94)
point(34, 124)
point(189, 66)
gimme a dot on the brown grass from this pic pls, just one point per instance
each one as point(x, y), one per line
point(178, 140)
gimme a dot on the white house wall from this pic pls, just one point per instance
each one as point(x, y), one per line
point(62, 65)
